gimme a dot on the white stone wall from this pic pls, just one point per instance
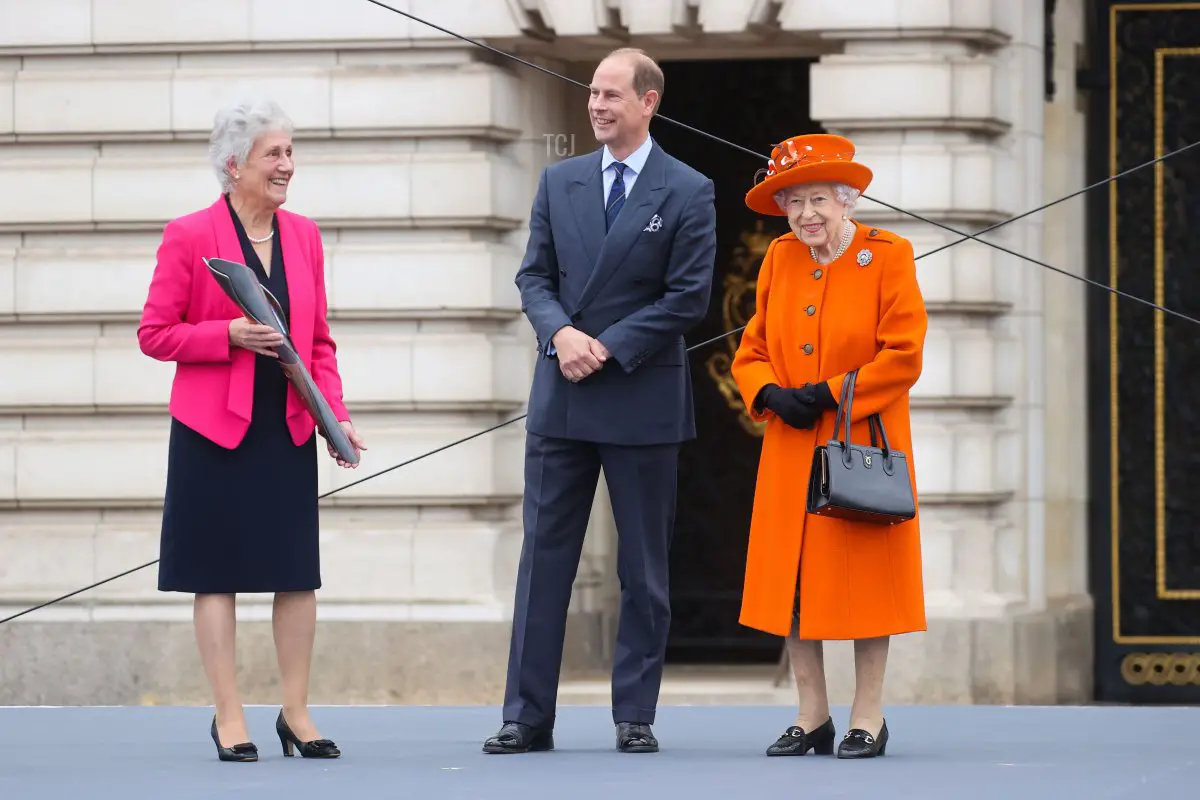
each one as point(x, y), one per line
point(418, 155)
point(418, 162)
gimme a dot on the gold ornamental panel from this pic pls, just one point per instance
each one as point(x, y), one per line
point(737, 307)
point(1161, 669)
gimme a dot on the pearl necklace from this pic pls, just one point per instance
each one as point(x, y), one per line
point(267, 238)
point(847, 237)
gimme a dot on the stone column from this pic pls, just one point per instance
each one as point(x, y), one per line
point(944, 100)
point(1066, 425)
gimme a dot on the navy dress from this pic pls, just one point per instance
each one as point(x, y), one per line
point(244, 520)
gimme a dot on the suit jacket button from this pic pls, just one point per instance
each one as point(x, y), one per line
point(811, 310)
point(808, 348)
point(562, 272)
point(817, 275)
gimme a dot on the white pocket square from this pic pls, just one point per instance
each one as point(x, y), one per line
point(655, 224)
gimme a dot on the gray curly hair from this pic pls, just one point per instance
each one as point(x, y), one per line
point(846, 195)
point(236, 128)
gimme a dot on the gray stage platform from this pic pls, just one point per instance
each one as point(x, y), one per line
point(708, 752)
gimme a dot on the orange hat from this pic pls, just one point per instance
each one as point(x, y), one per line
point(809, 158)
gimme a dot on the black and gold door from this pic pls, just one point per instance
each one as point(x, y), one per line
point(1144, 239)
point(752, 104)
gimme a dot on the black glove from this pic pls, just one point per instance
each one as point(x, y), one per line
point(796, 407)
point(821, 396)
point(800, 408)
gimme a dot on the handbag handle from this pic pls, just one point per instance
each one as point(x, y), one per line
point(844, 403)
point(874, 422)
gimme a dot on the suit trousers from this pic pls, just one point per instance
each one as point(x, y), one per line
point(561, 476)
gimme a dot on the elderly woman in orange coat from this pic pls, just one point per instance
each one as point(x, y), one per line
point(833, 296)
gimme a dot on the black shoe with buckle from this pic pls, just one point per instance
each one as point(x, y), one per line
point(796, 742)
point(860, 744)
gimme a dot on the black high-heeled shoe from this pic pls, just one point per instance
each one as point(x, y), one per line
point(246, 751)
point(317, 748)
point(860, 744)
point(796, 742)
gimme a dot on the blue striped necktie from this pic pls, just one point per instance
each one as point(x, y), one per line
point(616, 196)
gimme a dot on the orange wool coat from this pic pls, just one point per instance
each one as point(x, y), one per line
point(815, 323)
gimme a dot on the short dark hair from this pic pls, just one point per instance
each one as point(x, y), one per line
point(647, 74)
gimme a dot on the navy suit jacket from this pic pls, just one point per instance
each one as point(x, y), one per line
point(638, 289)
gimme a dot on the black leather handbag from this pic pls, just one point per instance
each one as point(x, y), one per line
point(855, 482)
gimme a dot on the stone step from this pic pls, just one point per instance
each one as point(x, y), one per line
point(691, 686)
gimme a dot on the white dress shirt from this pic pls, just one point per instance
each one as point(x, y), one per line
point(634, 164)
point(633, 167)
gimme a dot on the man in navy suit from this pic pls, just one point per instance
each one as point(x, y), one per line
point(618, 267)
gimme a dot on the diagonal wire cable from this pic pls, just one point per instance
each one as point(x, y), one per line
point(913, 214)
point(719, 337)
point(331, 492)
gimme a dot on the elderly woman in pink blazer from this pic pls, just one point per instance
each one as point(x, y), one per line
point(240, 513)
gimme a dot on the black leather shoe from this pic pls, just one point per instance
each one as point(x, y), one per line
point(636, 737)
point(860, 744)
point(317, 748)
point(517, 737)
point(246, 751)
point(795, 742)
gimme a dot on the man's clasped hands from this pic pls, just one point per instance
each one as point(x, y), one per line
point(579, 355)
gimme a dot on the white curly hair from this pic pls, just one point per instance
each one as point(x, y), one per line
point(237, 127)
point(846, 195)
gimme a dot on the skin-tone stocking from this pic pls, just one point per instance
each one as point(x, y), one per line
point(295, 623)
point(294, 620)
point(808, 665)
point(870, 663)
point(216, 626)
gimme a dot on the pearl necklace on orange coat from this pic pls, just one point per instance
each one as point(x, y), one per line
point(847, 237)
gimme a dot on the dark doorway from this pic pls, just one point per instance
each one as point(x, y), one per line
point(1143, 365)
point(752, 104)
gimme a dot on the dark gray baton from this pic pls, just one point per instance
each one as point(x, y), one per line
point(256, 302)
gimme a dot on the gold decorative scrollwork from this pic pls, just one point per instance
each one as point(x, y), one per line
point(1161, 669)
point(737, 306)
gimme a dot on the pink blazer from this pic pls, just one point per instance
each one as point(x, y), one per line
point(186, 320)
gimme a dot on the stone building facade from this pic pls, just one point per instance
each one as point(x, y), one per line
point(418, 155)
